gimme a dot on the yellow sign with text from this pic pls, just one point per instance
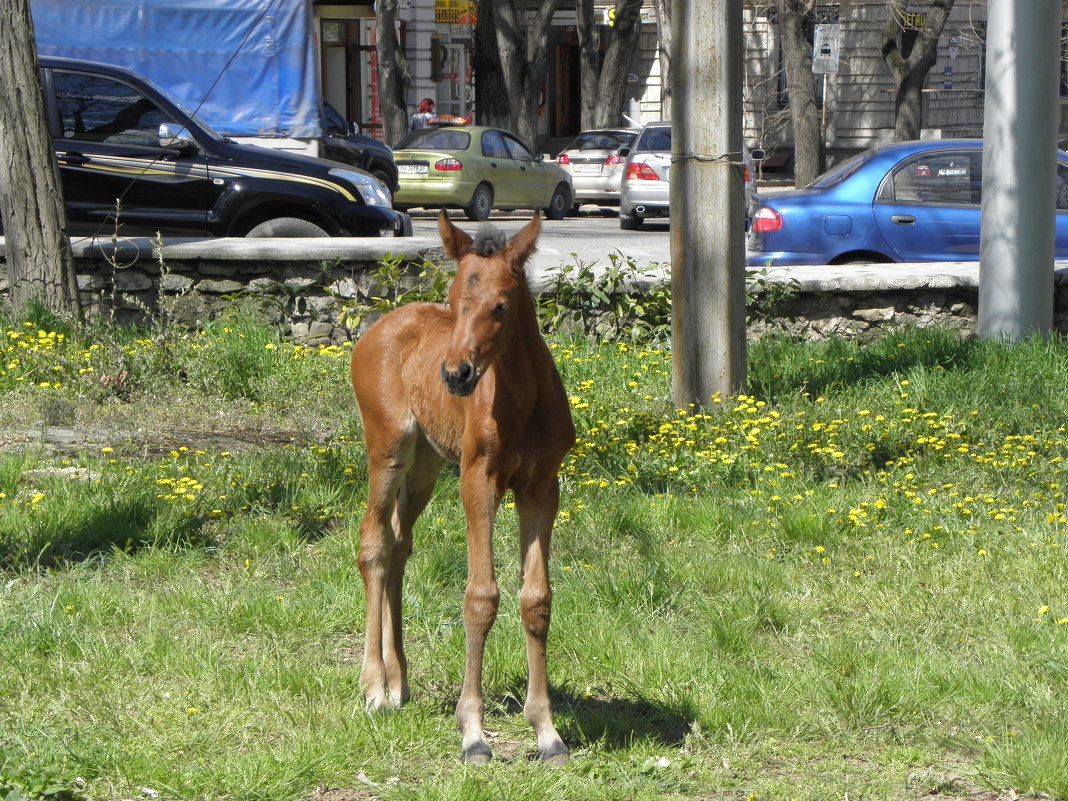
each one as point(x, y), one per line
point(456, 12)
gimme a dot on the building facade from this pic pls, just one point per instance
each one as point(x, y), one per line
point(856, 91)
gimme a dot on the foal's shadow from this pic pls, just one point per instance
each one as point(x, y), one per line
point(613, 722)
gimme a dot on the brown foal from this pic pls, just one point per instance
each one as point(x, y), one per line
point(471, 382)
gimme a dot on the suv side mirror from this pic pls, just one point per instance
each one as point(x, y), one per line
point(758, 154)
point(173, 136)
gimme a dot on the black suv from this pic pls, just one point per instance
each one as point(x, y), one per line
point(342, 141)
point(119, 138)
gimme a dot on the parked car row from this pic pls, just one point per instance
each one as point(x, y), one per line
point(913, 201)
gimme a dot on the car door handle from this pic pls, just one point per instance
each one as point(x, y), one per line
point(902, 219)
point(73, 158)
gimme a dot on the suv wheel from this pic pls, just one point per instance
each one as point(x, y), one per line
point(481, 203)
point(286, 227)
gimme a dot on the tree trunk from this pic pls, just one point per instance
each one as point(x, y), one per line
point(524, 63)
point(39, 263)
point(910, 72)
point(804, 112)
point(663, 25)
point(392, 73)
point(589, 61)
point(622, 48)
point(492, 105)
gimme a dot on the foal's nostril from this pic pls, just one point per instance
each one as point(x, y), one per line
point(460, 381)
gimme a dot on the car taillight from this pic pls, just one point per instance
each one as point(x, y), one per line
point(766, 220)
point(745, 177)
point(563, 158)
point(641, 172)
point(449, 165)
point(613, 160)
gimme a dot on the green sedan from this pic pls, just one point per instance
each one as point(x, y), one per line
point(477, 169)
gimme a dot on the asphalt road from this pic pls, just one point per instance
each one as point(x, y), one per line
point(590, 237)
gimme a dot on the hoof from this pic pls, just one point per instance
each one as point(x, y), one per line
point(555, 754)
point(477, 754)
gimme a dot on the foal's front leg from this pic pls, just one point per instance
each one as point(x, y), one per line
point(481, 494)
point(537, 506)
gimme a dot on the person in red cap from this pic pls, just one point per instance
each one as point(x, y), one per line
point(422, 116)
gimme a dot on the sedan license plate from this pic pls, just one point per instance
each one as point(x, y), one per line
point(587, 168)
point(412, 169)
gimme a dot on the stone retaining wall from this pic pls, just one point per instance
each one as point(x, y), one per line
point(307, 286)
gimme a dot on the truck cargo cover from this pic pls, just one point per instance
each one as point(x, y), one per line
point(245, 67)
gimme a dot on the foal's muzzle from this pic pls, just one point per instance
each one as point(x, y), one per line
point(462, 380)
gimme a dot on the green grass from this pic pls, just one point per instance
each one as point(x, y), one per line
point(851, 580)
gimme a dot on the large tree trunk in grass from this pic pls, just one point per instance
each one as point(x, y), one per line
point(392, 70)
point(39, 263)
point(589, 61)
point(804, 111)
point(910, 71)
point(492, 106)
point(524, 62)
point(622, 49)
point(663, 25)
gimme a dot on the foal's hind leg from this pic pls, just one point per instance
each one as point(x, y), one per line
point(383, 552)
point(536, 505)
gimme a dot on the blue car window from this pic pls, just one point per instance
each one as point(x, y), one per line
point(953, 177)
point(840, 172)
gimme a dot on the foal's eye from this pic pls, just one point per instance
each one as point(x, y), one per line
point(501, 307)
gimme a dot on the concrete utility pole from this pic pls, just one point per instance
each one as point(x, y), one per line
point(1019, 168)
point(707, 202)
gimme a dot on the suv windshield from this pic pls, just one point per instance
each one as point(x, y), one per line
point(435, 139)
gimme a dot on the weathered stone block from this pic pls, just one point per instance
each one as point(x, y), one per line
point(213, 287)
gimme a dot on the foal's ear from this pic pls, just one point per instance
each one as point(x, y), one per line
point(457, 243)
point(522, 245)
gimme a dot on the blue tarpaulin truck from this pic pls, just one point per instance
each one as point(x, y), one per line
point(245, 67)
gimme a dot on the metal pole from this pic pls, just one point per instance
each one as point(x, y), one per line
point(1019, 168)
point(707, 202)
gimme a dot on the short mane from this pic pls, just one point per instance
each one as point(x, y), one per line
point(488, 240)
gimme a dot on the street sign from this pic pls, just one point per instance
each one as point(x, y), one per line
point(826, 45)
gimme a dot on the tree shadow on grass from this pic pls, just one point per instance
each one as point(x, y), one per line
point(844, 363)
point(126, 524)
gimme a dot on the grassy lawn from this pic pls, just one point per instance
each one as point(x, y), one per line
point(850, 582)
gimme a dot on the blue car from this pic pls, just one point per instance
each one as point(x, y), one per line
point(905, 202)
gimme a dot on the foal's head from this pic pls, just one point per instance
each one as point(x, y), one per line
point(489, 288)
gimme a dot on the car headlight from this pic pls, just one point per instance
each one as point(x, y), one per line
point(370, 189)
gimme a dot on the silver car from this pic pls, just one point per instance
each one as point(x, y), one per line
point(595, 166)
point(646, 188)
